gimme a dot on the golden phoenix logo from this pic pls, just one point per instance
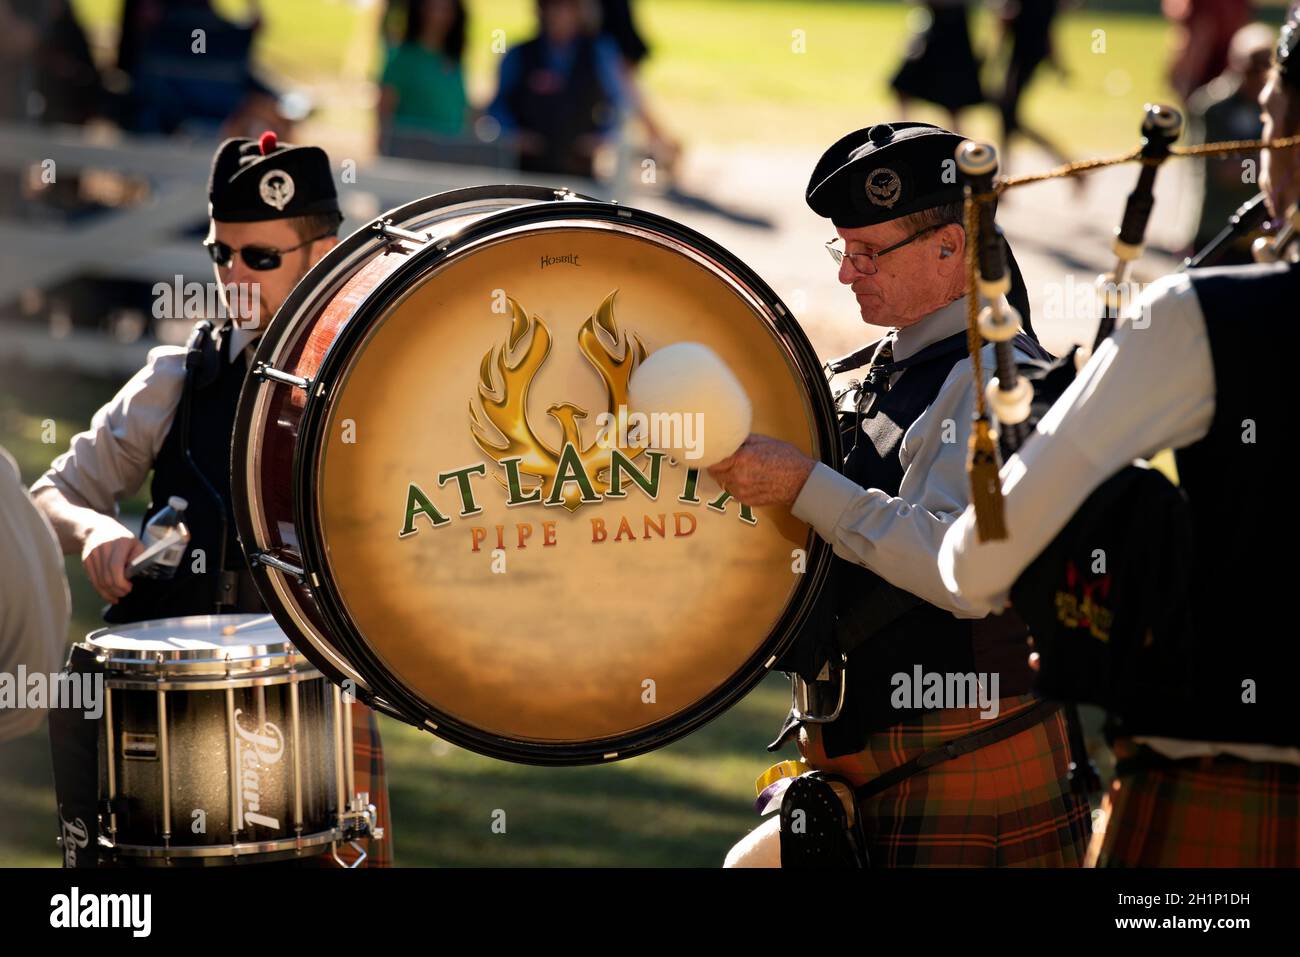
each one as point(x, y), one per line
point(505, 378)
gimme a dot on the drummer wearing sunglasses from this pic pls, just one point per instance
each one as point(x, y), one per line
point(273, 213)
point(892, 194)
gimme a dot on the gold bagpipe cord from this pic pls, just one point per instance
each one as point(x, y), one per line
point(983, 463)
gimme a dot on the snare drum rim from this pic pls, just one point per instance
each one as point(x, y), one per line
point(349, 638)
point(243, 659)
point(253, 850)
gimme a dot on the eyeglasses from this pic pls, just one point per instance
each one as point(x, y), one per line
point(260, 258)
point(865, 263)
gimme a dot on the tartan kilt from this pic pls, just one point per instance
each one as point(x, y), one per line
point(1202, 813)
point(1008, 804)
point(368, 758)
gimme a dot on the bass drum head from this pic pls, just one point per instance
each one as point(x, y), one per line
point(512, 611)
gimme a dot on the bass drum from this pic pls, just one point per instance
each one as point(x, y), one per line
point(423, 499)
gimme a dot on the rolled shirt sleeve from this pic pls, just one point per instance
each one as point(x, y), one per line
point(898, 536)
point(110, 460)
point(1148, 387)
point(34, 602)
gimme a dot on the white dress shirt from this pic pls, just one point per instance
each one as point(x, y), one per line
point(112, 458)
point(1150, 386)
point(898, 536)
point(34, 602)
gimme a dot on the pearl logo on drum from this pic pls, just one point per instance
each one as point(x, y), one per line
point(255, 751)
point(73, 836)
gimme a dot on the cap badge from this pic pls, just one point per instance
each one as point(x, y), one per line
point(276, 188)
point(884, 187)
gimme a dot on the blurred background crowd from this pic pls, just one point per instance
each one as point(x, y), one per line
point(568, 94)
point(708, 111)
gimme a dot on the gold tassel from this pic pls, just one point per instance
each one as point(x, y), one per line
point(985, 486)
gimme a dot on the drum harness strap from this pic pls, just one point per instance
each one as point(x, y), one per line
point(228, 581)
point(820, 701)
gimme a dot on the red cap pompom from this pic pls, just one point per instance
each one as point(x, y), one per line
point(266, 142)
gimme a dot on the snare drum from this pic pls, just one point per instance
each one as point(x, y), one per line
point(217, 749)
point(423, 500)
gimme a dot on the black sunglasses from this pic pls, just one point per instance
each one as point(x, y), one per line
point(260, 258)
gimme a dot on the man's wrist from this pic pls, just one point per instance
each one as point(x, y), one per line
point(809, 465)
point(90, 524)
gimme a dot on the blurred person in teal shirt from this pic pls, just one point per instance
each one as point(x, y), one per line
point(422, 89)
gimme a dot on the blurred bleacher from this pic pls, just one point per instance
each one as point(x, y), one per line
point(76, 282)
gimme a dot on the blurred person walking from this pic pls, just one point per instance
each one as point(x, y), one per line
point(1227, 108)
point(1205, 29)
point(618, 23)
point(561, 94)
point(1027, 29)
point(940, 67)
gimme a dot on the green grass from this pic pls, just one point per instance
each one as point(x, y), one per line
point(684, 805)
point(726, 71)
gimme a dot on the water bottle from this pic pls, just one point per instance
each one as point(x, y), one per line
point(166, 539)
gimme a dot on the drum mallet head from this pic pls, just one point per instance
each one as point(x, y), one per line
point(695, 408)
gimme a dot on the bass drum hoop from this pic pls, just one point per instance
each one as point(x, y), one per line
point(386, 691)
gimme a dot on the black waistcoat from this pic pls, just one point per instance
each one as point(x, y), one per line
point(1238, 482)
point(560, 108)
point(883, 629)
point(213, 395)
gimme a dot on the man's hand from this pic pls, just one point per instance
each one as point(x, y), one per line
point(108, 548)
point(764, 471)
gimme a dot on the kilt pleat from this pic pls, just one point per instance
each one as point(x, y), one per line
point(1220, 812)
point(1008, 804)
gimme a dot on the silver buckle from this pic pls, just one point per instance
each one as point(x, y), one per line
point(807, 698)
